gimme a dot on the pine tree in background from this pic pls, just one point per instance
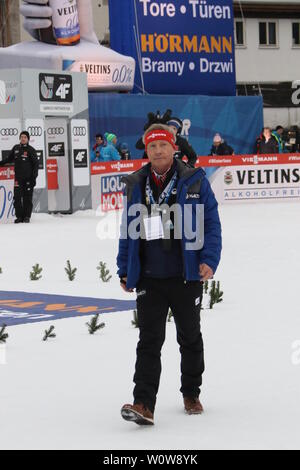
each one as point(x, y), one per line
point(35, 273)
point(93, 326)
point(103, 272)
point(135, 321)
point(49, 333)
point(205, 287)
point(3, 334)
point(212, 294)
point(71, 273)
point(170, 315)
point(0, 270)
point(219, 294)
point(215, 294)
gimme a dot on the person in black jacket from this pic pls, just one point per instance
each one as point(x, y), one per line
point(184, 148)
point(220, 147)
point(26, 162)
point(266, 143)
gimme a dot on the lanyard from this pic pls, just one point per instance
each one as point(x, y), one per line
point(165, 195)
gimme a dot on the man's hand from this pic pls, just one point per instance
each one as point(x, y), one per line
point(205, 272)
point(37, 15)
point(123, 282)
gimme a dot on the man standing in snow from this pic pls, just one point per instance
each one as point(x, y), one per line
point(26, 162)
point(165, 269)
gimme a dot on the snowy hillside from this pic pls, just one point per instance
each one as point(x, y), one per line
point(67, 393)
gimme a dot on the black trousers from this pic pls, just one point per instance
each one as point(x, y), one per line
point(154, 298)
point(23, 192)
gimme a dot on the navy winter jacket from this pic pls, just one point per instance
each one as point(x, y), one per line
point(193, 189)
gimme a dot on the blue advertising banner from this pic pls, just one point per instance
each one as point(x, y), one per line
point(180, 47)
point(18, 308)
point(238, 119)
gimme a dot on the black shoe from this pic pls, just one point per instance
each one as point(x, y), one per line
point(18, 221)
point(26, 220)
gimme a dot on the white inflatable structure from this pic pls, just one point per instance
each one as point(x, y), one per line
point(106, 69)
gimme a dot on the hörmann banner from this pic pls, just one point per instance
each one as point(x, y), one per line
point(184, 47)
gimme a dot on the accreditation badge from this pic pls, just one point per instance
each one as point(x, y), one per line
point(153, 228)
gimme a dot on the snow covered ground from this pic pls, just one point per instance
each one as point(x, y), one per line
point(67, 393)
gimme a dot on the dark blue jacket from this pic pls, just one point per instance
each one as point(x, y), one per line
point(193, 189)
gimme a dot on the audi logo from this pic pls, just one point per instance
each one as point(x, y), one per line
point(55, 131)
point(5, 132)
point(79, 131)
point(35, 131)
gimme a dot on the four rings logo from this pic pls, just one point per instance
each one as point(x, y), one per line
point(55, 131)
point(35, 131)
point(79, 131)
point(5, 132)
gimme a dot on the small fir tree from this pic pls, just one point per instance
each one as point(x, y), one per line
point(94, 326)
point(3, 334)
point(35, 274)
point(103, 272)
point(215, 294)
point(49, 333)
point(71, 272)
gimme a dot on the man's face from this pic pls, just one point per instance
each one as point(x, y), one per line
point(267, 133)
point(280, 131)
point(217, 143)
point(160, 154)
point(99, 141)
point(23, 139)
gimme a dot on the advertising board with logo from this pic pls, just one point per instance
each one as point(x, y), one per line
point(56, 93)
point(107, 185)
point(243, 178)
point(238, 178)
point(184, 47)
point(7, 211)
point(9, 135)
point(106, 74)
point(80, 152)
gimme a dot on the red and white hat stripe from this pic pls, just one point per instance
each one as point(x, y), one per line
point(159, 134)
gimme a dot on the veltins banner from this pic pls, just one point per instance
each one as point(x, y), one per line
point(184, 47)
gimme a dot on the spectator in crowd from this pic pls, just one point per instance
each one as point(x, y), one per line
point(277, 134)
point(96, 150)
point(124, 151)
point(220, 147)
point(266, 143)
point(110, 152)
point(184, 148)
